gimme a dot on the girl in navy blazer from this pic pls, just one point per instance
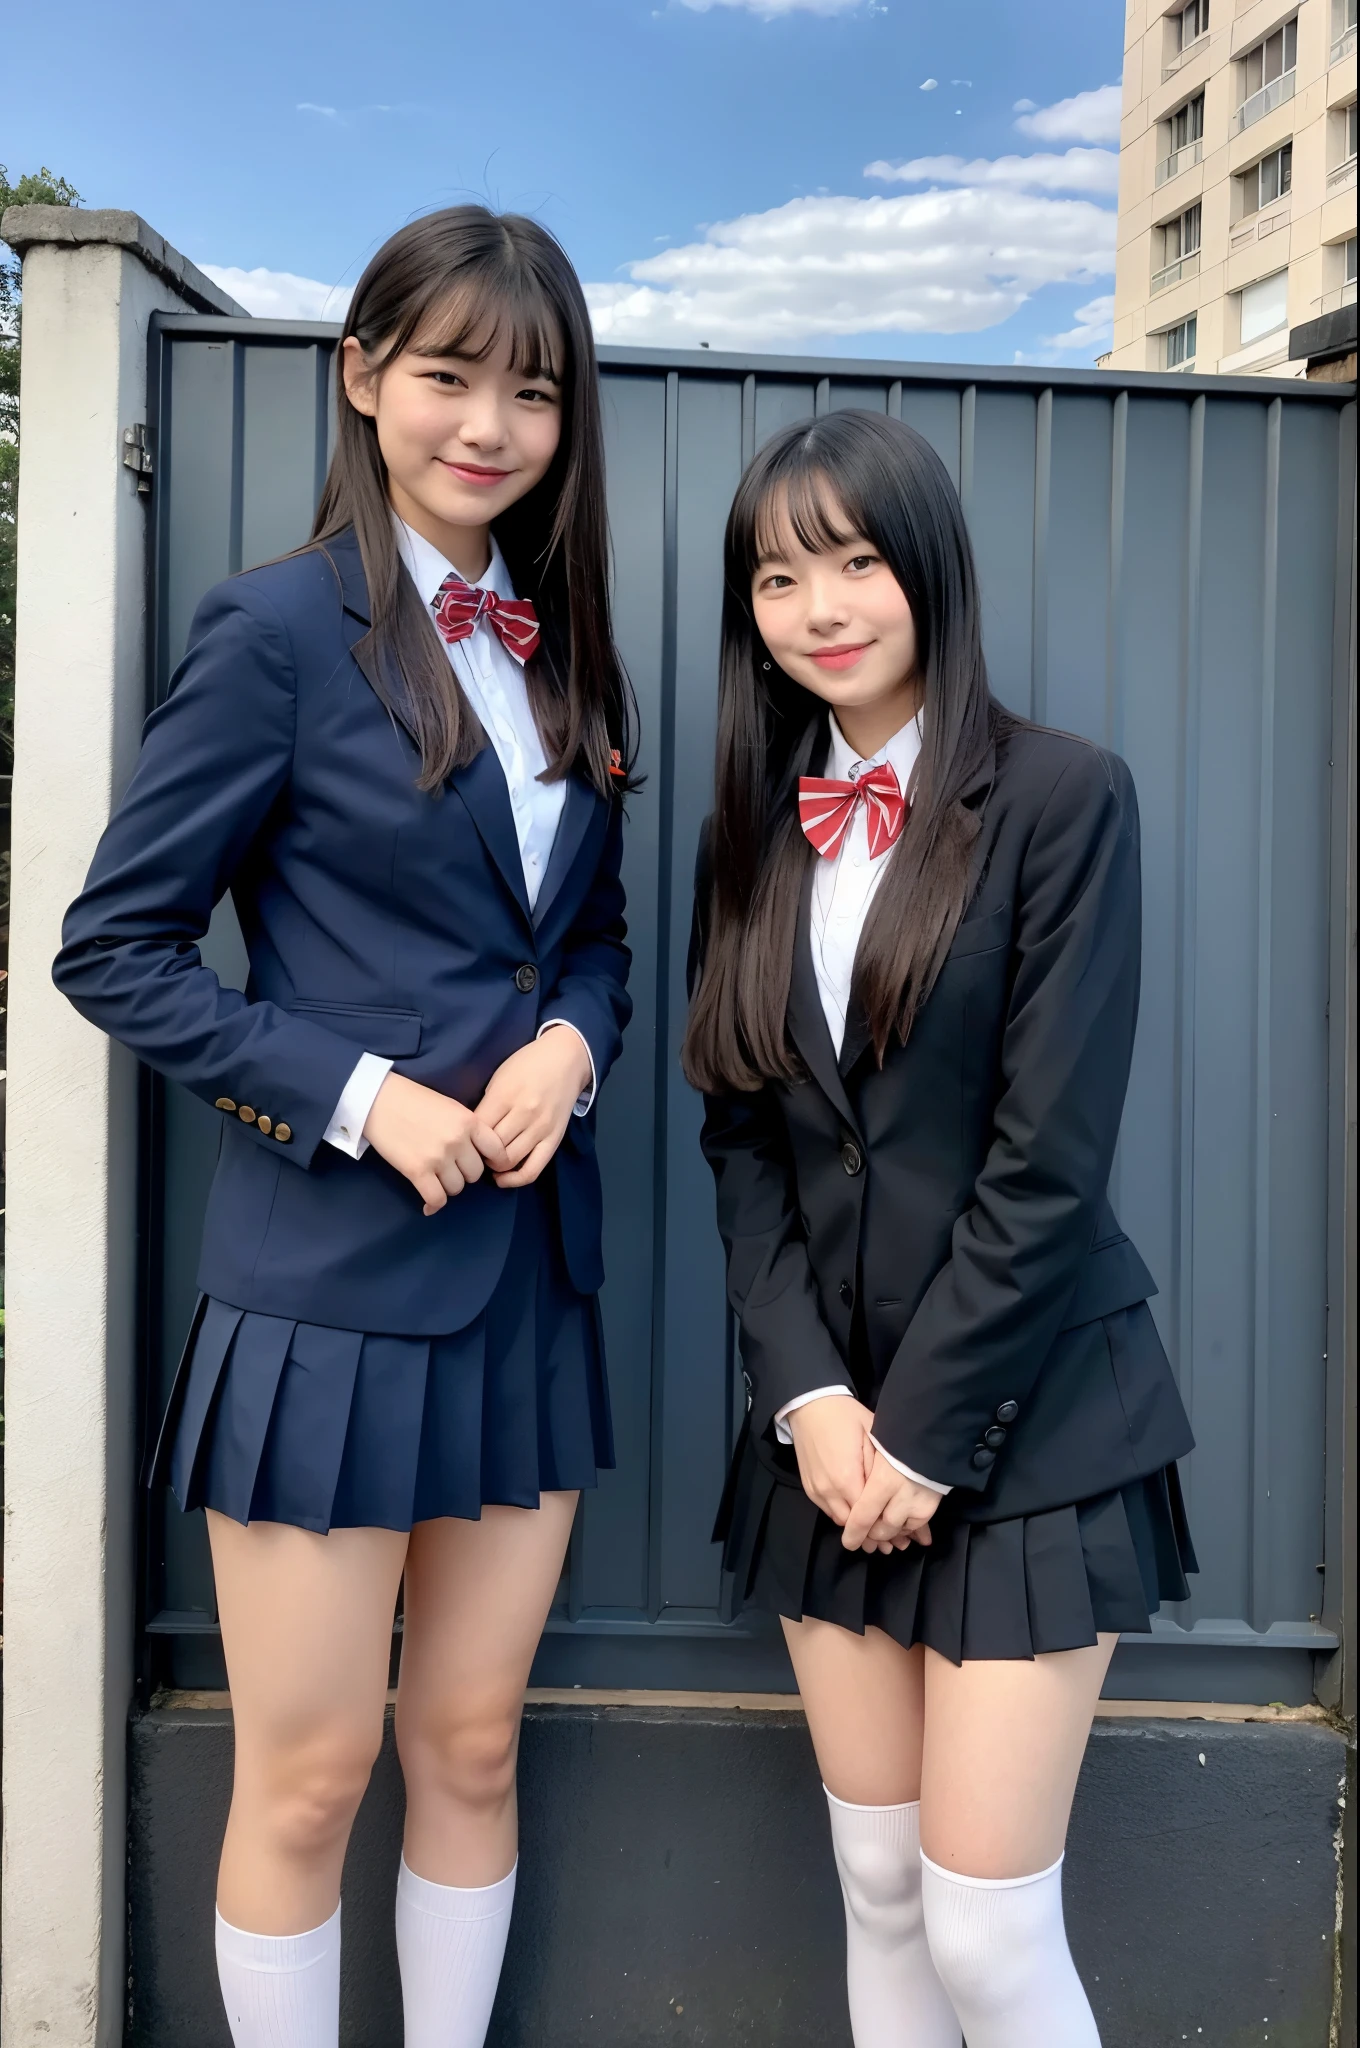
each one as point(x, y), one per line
point(402, 751)
point(917, 956)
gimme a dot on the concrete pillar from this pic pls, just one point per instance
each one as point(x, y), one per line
point(91, 282)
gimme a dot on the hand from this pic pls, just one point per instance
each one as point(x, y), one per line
point(529, 1100)
point(891, 1511)
point(835, 1456)
point(433, 1140)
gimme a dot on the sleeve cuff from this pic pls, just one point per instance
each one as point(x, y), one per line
point(346, 1128)
point(781, 1428)
point(585, 1101)
point(917, 1478)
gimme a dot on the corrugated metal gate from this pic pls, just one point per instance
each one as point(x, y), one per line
point(1161, 570)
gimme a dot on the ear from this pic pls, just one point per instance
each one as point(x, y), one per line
point(361, 384)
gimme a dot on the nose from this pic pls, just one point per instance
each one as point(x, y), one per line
point(827, 611)
point(483, 423)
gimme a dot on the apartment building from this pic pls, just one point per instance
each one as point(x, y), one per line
point(1237, 182)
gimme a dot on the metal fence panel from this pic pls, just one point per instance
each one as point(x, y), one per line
point(1158, 562)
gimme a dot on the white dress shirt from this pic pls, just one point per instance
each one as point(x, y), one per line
point(493, 683)
point(842, 890)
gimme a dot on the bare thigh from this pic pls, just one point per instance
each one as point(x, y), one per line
point(1004, 1742)
point(477, 1597)
point(864, 1697)
point(307, 1630)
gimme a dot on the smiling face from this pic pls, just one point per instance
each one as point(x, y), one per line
point(464, 436)
point(836, 620)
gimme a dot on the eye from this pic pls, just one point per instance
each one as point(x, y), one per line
point(540, 397)
point(861, 562)
point(776, 580)
point(446, 378)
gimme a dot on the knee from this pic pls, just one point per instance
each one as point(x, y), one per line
point(881, 1882)
point(310, 1794)
point(465, 1758)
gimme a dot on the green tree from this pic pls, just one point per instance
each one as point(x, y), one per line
point(38, 188)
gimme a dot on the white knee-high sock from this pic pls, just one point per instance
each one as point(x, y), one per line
point(450, 1944)
point(281, 1990)
point(1001, 1948)
point(896, 1998)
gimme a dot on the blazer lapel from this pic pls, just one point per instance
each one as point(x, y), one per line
point(806, 1017)
point(482, 786)
point(578, 815)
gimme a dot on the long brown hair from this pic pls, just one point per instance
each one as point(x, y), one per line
point(834, 479)
point(453, 283)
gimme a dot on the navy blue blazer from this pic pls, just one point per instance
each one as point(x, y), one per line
point(377, 917)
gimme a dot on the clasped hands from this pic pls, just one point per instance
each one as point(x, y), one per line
point(440, 1146)
point(848, 1478)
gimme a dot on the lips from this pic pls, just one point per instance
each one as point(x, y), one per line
point(474, 473)
point(840, 657)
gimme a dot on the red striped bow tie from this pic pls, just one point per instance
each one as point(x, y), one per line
point(458, 606)
point(826, 809)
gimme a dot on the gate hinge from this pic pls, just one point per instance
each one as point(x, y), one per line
point(137, 456)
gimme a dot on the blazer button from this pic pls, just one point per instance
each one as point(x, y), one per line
point(526, 979)
point(852, 1159)
point(1008, 1411)
point(283, 1132)
point(225, 1102)
point(847, 1293)
point(983, 1459)
point(246, 1113)
point(995, 1436)
point(264, 1123)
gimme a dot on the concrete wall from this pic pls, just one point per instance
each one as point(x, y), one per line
point(91, 283)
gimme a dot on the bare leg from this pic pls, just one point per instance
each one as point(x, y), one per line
point(1004, 1743)
point(307, 1630)
point(864, 1697)
point(477, 1596)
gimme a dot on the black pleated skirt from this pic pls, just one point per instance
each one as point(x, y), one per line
point(296, 1422)
point(980, 1590)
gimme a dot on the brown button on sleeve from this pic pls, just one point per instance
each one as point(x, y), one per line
point(246, 1113)
point(265, 1123)
point(225, 1102)
point(283, 1132)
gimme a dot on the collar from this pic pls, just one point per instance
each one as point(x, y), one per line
point(901, 751)
point(428, 569)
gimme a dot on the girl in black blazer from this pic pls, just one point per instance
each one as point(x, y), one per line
point(915, 986)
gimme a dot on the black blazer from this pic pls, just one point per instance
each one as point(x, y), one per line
point(957, 1196)
point(377, 916)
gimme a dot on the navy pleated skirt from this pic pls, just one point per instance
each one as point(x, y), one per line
point(1011, 1589)
point(281, 1421)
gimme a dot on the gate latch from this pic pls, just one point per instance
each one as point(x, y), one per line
point(137, 456)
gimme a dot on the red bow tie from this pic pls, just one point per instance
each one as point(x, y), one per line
point(826, 808)
point(458, 606)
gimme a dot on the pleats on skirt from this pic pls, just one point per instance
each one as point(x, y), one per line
point(282, 1421)
point(1008, 1589)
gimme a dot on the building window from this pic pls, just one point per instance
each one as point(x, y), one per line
point(1175, 247)
point(1267, 181)
point(1181, 139)
point(1348, 263)
point(1265, 307)
point(1180, 344)
point(1343, 30)
point(1352, 131)
point(1193, 22)
point(1266, 74)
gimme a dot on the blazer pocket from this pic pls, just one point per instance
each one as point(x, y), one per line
point(391, 1034)
point(982, 934)
point(1111, 1278)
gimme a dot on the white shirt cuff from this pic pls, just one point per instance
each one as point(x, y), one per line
point(931, 1485)
point(781, 1428)
point(586, 1098)
point(346, 1128)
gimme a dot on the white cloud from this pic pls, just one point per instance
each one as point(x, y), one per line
point(770, 8)
point(939, 262)
point(1095, 326)
point(929, 84)
point(1024, 106)
point(1086, 117)
point(311, 107)
point(1076, 170)
point(279, 294)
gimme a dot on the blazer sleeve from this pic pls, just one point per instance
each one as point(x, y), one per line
point(982, 1331)
point(591, 991)
point(786, 1347)
point(216, 759)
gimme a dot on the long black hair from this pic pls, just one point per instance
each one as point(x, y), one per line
point(847, 475)
point(453, 283)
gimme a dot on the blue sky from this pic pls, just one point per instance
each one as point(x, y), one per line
point(771, 174)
